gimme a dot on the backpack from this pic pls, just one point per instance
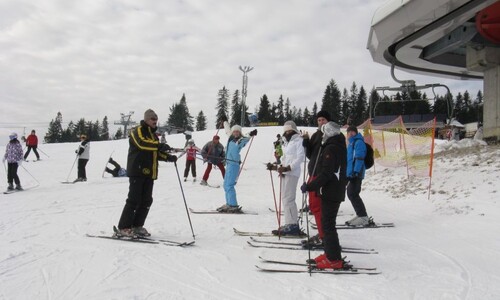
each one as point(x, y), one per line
point(369, 160)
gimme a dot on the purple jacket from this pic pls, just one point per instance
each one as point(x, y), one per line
point(13, 152)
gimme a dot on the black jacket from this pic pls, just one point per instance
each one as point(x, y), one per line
point(143, 153)
point(331, 177)
point(312, 147)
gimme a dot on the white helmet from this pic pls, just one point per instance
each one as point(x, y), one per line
point(13, 136)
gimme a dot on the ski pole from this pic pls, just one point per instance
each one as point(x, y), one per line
point(38, 183)
point(251, 140)
point(274, 196)
point(279, 211)
point(43, 152)
point(184, 197)
point(67, 178)
point(304, 199)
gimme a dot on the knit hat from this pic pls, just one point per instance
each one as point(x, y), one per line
point(13, 136)
point(150, 114)
point(216, 137)
point(290, 125)
point(236, 128)
point(352, 128)
point(330, 129)
point(324, 114)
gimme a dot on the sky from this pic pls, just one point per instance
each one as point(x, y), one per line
point(101, 58)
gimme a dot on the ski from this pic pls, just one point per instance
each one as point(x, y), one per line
point(209, 211)
point(104, 171)
point(280, 262)
point(181, 244)
point(266, 234)
point(303, 248)
point(141, 240)
point(68, 182)
point(372, 225)
point(305, 270)
point(300, 244)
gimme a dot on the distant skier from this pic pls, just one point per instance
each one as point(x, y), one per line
point(14, 157)
point(190, 151)
point(278, 150)
point(117, 171)
point(213, 154)
point(235, 143)
point(32, 143)
point(289, 170)
point(163, 139)
point(142, 168)
point(83, 153)
point(330, 183)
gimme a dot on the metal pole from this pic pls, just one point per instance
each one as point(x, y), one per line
point(245, 70)
point(184, 198)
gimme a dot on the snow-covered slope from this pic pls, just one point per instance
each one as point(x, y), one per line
point(443, 248)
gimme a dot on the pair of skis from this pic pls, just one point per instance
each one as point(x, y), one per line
point(259, 243)
point(141, 239)
point(306, 268)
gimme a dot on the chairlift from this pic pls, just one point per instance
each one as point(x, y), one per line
point(409, 86)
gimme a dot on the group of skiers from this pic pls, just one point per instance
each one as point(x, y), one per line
point(334, 168)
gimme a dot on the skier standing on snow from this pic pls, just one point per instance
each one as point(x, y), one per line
point(83, 153)
point(289, 170)
point(32, 143)
point(190, 151)
point(14, 157)
point(142, 168)
point(235, 143)
point(312, 148)
point(330, 183)
point(213, 154)
point(356, 152)
point(278, 151)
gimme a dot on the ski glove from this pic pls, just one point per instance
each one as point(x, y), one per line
point(172, 158)
point(271, 167)
point(303, 188)
point(282, 169)
point(253, 132)
point(162, 147)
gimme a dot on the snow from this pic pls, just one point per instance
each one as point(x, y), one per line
point(443, 248)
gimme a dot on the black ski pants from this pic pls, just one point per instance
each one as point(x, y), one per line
point(82, 163)
point(353, 190)
point(140, 198)
point(115, 171)
point(12, 173)
point(329, 211)
point(34, 150)
point(190, 164)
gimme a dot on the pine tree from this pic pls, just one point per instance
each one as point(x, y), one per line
point(373, 100)
point(280, 114)
point(287, 111)
point(105, 129)
point(179, 115)
point(346, 107)
point(201, 121)
point(331, 100)
point(222, 105)
point(264, 114)
point(235, 109)
point(119, 134)
point(55, 131)
point(359, 109)
point(314, 113)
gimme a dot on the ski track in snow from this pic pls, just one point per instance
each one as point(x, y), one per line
point(442, 248)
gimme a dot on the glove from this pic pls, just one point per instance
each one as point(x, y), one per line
point(253, 132)
point(282, 169)
point(271, 167)
point(163, 147)
point(303, 188)
point(172, 158)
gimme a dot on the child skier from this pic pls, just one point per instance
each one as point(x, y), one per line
point(190, 151)
point(14, 157)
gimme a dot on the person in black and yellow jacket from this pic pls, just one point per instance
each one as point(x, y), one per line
point(142, 168)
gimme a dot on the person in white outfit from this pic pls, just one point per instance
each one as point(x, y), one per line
point(290, 171)
point(83, 153)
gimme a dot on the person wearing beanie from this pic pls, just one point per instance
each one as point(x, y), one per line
point(83, 153)
point(213, 154)
point(356, 152)
point(289, 171)
point(14, 157)
point(144, 152)
point(235, 143)
point(312, 148)
point(330, 183)
point(32, 143)
point(190, 150)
